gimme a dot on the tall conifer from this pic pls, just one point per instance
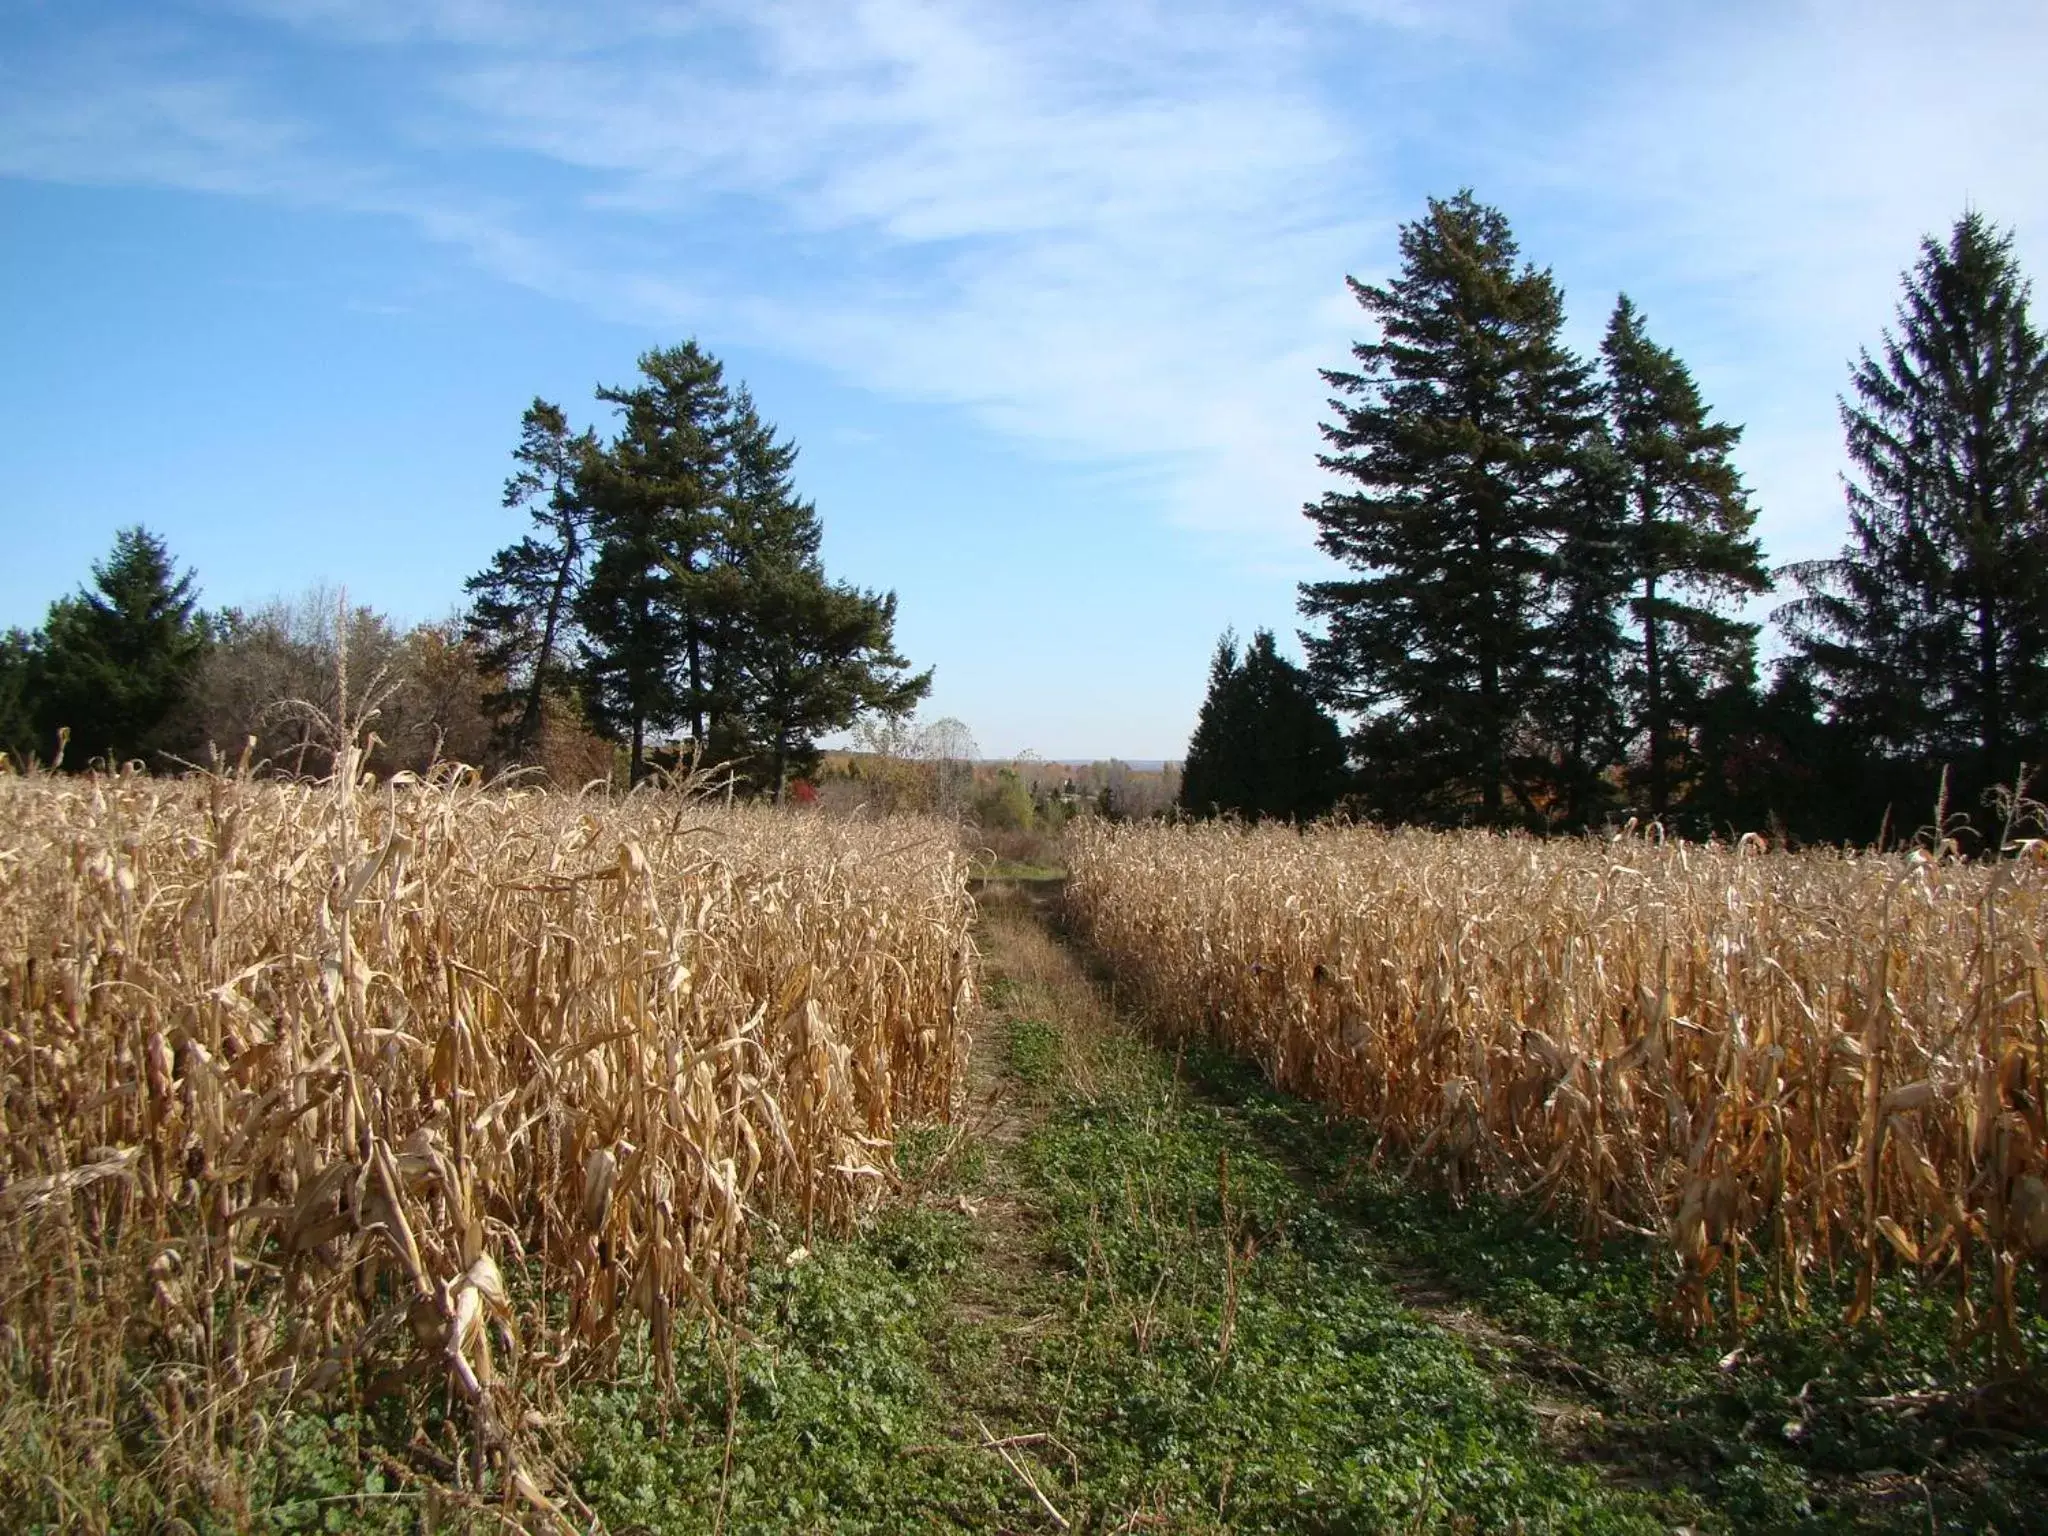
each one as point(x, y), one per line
point(1582, 715)
point(708, 611)
point(654, 493)
point(1929, 632)
point(1690, 549)
point(523, 604)
point(114, 662)
point(1458, 430)
point(1262, 745)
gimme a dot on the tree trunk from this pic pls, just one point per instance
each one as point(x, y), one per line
point(529, 718)
point(1489, 694)
point(696, 690)
point(1489, 688)
point(1653, 696)
point(1990, 700)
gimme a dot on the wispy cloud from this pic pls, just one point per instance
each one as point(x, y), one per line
point(1766, 171)
point(129, 109)
point(1116, 232)
point(1106, 231)
point(1111, 232)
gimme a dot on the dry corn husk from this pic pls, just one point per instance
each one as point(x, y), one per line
point(1823, 1057)
point(329, 1068)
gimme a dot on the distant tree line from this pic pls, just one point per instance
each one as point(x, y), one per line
point(131, 669)
point(1545, 557)
point(667, 598)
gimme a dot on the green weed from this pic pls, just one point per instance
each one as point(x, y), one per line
point(1793, 1421)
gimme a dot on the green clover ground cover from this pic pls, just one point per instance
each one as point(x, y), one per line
point(1796, 1422)
point(1178, 1300)
point(1127, 1315)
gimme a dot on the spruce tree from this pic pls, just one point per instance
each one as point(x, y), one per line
point(523, 604)
point(1929, 632)
point(653, 494)
point(1581, 710)
point(115, 662)
point(1215, 779)
point(18, 731)
point(1690, 548)
point(813, 657)
point(1262, 746)
point(1459, 430)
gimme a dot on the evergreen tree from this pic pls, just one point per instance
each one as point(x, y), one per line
point(1214, 778)
point(18, 736)
point(653, 495)
point(764, 532)
point(115, 661)
point(791, 655)
point(1929, 632)
point(1463, 422)
point(1262, 746)
point(814, 656)
point(523, 604)
point(1689, 548)
point(1581, 710)
point(707, 608)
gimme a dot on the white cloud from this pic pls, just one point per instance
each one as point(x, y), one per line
point(1118, 231)
point(1109, 231)
point(127, 110)
point(1761, 175)
point(1101, 232)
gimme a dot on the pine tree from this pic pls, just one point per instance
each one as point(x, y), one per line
point(1690, 547)
point(707, 608)
point(813, 657)
point(1929, 632)
point(1262, 746)
point(1581, 710)
point(114, 662)
point(1463, 421)
point(653, 494)
point(764, 531)
point(523, 604)
point(18, 733)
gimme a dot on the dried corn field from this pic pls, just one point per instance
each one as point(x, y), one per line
point(1816, 1062)
point(340, 1086)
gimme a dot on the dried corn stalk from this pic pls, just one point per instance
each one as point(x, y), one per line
point(292, 1078)
point(1821, 1058)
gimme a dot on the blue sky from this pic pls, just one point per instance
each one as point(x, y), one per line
point(1040, 288)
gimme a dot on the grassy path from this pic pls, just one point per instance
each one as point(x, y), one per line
point(1133, 1291)
point(1103, 1306)
point(1220, 1354)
